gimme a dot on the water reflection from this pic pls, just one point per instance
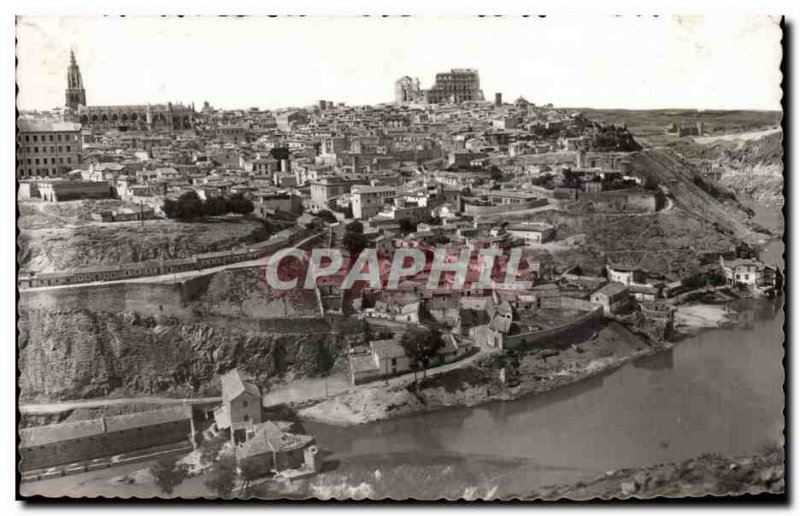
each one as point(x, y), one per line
point(663, 360)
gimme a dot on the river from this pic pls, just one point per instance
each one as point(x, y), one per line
point(720, 391)
point(771, 218)
point(716, 392)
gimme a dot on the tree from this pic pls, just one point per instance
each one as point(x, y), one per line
point(168, 474)
point(210, 449)
point(496, 174)
point(170, 208)
point(421, 344)
point(239, 204)
point(222, 476)
point(366, 331)
point(355, 227)
point(354, 242)
point(187, 207)
point(406, 225)
point(215, 206)
point(327, 216)
point(250, 472)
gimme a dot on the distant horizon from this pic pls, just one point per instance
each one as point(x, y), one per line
point(602, 63)
point(311, 106)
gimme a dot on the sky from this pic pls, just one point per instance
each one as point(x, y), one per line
point(718, 62)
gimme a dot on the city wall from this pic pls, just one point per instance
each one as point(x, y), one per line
point(475, 209)
point(573, 332)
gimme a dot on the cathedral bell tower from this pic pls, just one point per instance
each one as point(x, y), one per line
point(75, 95)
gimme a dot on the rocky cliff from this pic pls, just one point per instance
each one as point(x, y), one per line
point(82, 353)
point(751, 166)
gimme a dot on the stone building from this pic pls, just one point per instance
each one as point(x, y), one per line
point(613, 297)
point(241, 406)
point(47, 149)
point(149, 117)
point(63, 190)
point(75, 94)
point(458, 85)
point(272, 448)
point(66, 443)
point(407, 90)
point(368, 201)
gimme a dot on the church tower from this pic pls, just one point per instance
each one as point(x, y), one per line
point(75, 95)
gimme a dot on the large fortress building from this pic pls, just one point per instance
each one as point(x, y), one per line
point(456, 86)
point(146, 117)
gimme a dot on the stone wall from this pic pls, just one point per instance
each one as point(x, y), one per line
point(105, 444)
point(474, 209)
point(575, 331)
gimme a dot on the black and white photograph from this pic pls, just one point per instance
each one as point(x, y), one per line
point(406, 257)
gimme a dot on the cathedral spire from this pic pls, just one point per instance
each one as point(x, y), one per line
point(75, 94)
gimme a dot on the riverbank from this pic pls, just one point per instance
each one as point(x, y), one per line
point(709, 474)
point(695, 317)
point(525, 374)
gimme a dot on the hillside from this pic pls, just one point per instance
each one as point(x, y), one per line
point(750, 166)
point(82, 354)
point(705, 475)
point(60, 236)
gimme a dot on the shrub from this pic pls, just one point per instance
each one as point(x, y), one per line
point(222, 477)
point(168, 474)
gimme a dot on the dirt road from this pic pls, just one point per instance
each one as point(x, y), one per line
point(750, 135)
point(62, 406)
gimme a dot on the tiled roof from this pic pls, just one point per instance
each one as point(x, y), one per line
point(388, 348)
point(269, 437)
point(612, 289)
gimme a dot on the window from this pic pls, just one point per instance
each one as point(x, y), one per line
point(35, 138)
point(244, 404)
point(36, 149)
point(69, 148)
point(27, 138)
point(51, 137)
point(246, 417)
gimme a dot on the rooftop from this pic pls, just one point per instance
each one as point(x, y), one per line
point(48, 434)
point(612, 289)
point(31, 126)
point(269, 437)
point(233, 386)
point(389, 348)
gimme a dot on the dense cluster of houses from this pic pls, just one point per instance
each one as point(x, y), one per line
point(388, 162)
